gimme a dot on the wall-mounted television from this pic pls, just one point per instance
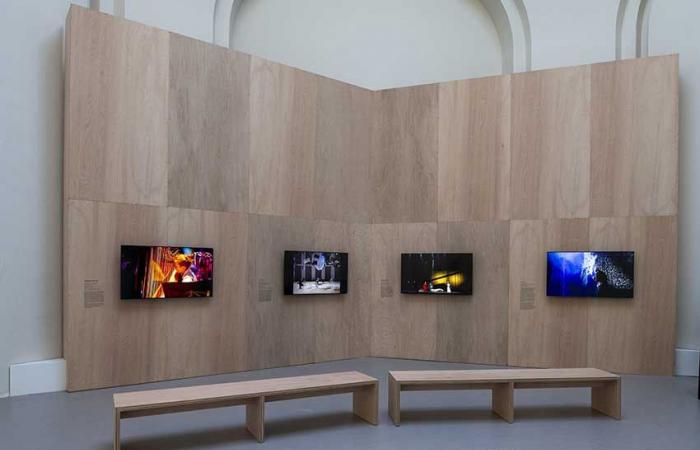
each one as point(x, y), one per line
point(590, 274)
point(314, 272)
point(436, 273)
point(152, 272)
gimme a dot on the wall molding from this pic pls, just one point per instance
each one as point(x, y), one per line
point(687, 362)
point(115, 7)
point(632, 29)
point(520, 50)
point(643, 29)
point(38, 377)
point(49, 375)
point(224, 13)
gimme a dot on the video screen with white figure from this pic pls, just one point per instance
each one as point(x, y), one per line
point(313, 272)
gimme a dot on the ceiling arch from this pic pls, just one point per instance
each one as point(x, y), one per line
point(509, 17)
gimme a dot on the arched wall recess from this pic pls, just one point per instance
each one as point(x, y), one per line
point(509, 18)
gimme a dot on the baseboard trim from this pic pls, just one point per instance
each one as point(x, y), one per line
point(687, 362)
point(38, 377)
point(50, 375)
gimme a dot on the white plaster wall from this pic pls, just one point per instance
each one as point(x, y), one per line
point(370, 43)
point(673, 28)
point(31, 133)
point(571, 32)
point(193, 18)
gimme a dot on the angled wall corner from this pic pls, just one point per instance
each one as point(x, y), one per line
point(369, 173)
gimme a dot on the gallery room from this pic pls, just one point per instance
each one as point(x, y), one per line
point(349, 224)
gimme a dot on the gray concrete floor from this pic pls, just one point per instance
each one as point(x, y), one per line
point(658, 413)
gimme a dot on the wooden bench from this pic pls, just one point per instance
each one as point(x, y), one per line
point(605, 386)
point(253, 394)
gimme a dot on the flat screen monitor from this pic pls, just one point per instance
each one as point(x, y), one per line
point(590, 274)
point(436, 273)
point(312, 272)
point(153, 272)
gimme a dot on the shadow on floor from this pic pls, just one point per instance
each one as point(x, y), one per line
point(187, 441)
point(283, 427)
point(549, 413)
point(237, 432)
point(439, 415)
point(523, 413)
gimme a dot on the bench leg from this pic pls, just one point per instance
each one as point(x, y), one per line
point(607, 399)
point(502, 401)
point(117, 429)
point(255, 418)
point(365, 403)
point(394, 401)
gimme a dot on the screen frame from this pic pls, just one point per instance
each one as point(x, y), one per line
point(148, 299)
point(634, 270)
point(443, 294)
point(288, 281)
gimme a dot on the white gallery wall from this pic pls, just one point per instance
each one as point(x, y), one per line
point(31, 133)
point(373, 43)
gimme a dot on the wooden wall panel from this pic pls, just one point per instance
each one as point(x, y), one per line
point(403, 173)
point(133, 341)
point(280, 328)
point(203, 337)
point(403, 326)
point(341, 323)
point(550, 144)
point(343, 142)
point(108, 344)
point(283, 106)
point(172, 141)
point(634, 137)
point(475, 328)
point(209, 125)
point(544, 331)
point(284, 330)
point(474, 150)
point(116, 128)
point(637, 335)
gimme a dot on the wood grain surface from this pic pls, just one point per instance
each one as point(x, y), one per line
point(169, 140)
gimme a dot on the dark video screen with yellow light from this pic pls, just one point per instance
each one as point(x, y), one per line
point(153, 272)
point(436, 273)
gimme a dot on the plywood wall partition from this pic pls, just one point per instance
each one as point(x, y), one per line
point(169, 140)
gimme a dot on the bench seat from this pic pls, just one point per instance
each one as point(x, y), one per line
point(253, 394)
point(605, 386)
